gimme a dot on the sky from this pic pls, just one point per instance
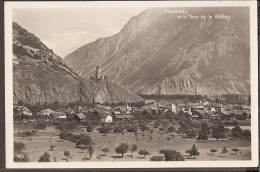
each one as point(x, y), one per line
point(65, 30)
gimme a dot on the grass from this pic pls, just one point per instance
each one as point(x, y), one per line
point(49, 136)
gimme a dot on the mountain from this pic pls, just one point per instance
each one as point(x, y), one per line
point(158, 53)
point(39, 76)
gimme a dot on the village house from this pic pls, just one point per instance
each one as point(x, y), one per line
point(116, 113)
point(240, 115)
point(69, 111)
point(60, 115)
point(79, 117)
point(123, 117)
point(187, 109)
point(200, 114)
point(228, 114)
point(22, 110)
point(106, 118)
point(46, 112)
point(174, 108)
point(151, 101)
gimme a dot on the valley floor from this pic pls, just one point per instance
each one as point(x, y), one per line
point(50, 136)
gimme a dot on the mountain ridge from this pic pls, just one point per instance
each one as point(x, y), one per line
point(157, 53)
point(40, 76)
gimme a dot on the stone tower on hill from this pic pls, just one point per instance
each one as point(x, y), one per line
point(98, 73)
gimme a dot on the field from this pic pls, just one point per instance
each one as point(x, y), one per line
point(50, 136)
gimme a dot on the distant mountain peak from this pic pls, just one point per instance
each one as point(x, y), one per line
point(156, 52)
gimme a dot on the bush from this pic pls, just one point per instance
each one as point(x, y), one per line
point(237, 131)
point(45, 157)
point(235, 150)
point(131, 128)
point(63, 135)
point(143, 152)
point(118, 129)
point(19, 156)
point(143, 127)
point(105, 150)
point(224, 150)
point(18, 146)
point(156, 158)
point(171, 129)
point(247, 134)
point(172, 155)
point(41, 124)
point(233, 122)
point(105, 129)
point(52, 147)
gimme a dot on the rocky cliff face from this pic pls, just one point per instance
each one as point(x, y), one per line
point(157, 53)
point(40, 76)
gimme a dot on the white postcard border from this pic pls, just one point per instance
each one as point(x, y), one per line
point(105, 4)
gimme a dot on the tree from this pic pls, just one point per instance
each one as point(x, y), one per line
point(89, 129)
point(45, 157)
point(172, 155)
point(105, 150)
point(218, 131)
point(63, 135)
point(236, 131)
point(204, 131)
point(52, 147)
point(67, 154)
point(122, 148)
point(213, 150)
point(235, 150)
point(156, 158)
point(161, 129)
point(193, 151)
point(190, 132)
point(41, 124)
point(20, 103)
point(224, 150)
point(62, 127)
point(85, 141)
point(72, 126)
point(247, 134)
point(133, 148)
point(104, 129)
point(28, 134)
point(18, 146)
point(131, 128)
point(143, 152)
point(90, 151)
point(171, 129)
point(143, 127)
point(118, 129)
point(20, 156)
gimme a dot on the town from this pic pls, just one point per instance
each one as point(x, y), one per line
point(148, 125)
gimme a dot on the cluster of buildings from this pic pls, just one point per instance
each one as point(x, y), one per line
point(207, 110)
point(108, 114)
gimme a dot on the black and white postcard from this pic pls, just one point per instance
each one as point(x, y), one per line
point(131, 84)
